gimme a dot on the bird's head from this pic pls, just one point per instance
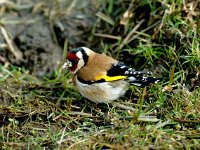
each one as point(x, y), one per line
point(77, 58)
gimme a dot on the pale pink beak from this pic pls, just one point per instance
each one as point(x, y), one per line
point(67, 64)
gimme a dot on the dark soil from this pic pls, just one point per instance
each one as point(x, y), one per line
point(39, 31)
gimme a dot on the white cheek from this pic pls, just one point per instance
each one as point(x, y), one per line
point(80, 64)
point(79, 55)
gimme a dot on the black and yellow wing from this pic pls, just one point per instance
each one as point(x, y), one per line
point(120, 71)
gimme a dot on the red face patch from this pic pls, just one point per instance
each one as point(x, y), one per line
point(71, 56)
point(74, 60)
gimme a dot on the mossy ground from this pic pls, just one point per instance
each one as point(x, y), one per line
point(40, 108)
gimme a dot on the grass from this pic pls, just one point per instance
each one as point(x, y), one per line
point(49, 113)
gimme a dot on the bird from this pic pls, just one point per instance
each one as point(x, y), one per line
point(101, 78)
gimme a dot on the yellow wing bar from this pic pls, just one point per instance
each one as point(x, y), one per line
point(107, 78)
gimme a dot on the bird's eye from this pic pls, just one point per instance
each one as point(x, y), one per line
point(74, 61)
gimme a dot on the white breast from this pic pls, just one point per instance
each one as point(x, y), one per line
point(102, 92)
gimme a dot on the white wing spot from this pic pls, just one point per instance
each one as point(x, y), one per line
point(144, 78)
point(137, 84)
point(126, 72)
point(132, 78)
point(122, 67)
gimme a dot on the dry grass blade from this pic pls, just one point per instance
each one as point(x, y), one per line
point(122, 106)
point(162, 124)
point(79, 113)
point(143, 31)
point(171, 75)
point(141, 102)
point(128, 37)
point(108, 36)
point(17, 53)
point(186, 120)
point(148, 119)
point(105, 18)
point(62, 137)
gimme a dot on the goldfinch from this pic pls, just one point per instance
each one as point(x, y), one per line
point(101, 78)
